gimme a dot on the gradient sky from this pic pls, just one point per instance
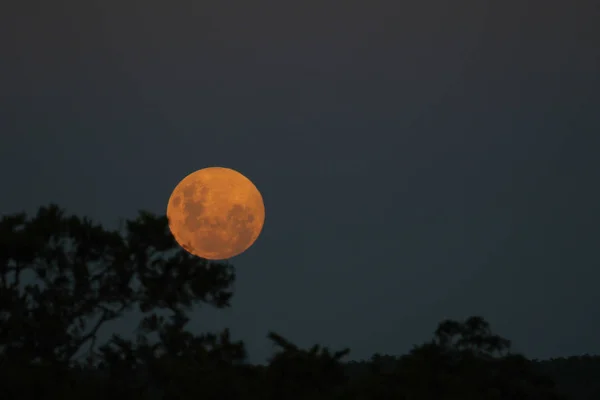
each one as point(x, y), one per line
point(418, 162)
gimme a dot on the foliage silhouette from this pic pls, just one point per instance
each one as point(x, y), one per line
point(62, 278)
point(294, 373)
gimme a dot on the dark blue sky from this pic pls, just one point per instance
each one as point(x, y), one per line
point(417, 162)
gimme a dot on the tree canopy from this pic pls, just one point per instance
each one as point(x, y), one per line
point(63, 277)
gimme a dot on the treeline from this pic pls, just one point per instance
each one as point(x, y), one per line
point(577, 377)
point(63, 277)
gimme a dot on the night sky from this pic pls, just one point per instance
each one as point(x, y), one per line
point(418, 160)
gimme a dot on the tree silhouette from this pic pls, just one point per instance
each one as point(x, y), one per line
point(62, 278)
point(465, 360)
point(294, 373)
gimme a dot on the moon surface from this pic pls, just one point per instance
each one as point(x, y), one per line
point(216, 213)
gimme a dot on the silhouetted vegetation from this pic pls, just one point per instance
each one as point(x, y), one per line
point(62, 278)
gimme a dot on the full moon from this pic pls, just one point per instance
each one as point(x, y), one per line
point(216, 213)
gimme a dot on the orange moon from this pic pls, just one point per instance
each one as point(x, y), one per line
point(216, 213)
